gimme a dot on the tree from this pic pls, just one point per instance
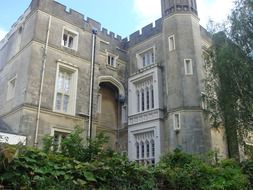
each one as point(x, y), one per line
point(229, 81)
point(241, 21)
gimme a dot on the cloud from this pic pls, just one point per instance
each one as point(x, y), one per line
point(147, 11)
point(2, 33)
point(215, 10)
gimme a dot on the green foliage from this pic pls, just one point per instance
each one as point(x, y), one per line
point(180, 171)
point(241, 21)
point(247, 167)
point(229, 81)
point(92, 166)
point(79, 165)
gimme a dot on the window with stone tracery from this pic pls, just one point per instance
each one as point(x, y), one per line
point(145, 96)
point(145, 148)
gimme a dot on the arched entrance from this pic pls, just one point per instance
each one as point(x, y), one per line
point(110, 95)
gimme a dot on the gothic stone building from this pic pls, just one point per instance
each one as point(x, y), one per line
point(147, 94)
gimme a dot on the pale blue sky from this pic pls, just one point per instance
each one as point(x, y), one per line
point(122, 17)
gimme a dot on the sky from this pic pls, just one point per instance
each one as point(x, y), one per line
point(122, 17)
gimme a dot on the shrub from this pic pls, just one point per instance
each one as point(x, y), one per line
point(247, 167)
point(181, 171)
point(90, 165)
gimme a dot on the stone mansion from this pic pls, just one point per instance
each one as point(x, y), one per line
point(147, 89)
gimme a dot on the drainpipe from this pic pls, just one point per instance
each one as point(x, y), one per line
point(94, 33)
point(41, 83)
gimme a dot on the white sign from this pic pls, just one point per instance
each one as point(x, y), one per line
point(12, 139)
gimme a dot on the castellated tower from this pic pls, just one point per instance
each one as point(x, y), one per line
point(165, 85)
point(183, 64)
point(177, 6)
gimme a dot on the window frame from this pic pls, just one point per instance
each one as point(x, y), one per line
point(172, 44)
point(175, 126)
point(124, 114)
point(144, 147)
point(73, 88)
point(75, 38)
point(148, 53)
point(109, 56)
point(11, 91)
point(190, 72)
point(53, 130)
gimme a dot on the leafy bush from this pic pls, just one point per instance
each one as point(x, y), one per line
point(90, 165)
point(247, 167)
point(181, 171)
point(77, 166)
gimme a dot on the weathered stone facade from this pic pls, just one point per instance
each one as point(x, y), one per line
point(147, 89)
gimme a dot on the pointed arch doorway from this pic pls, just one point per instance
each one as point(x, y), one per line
point(109, 115)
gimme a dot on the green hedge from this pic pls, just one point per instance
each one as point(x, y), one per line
point(91, 166)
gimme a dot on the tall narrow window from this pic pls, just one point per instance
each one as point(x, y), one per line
point(177, 121)
point(138, 101)
point(124, 114)
point(147, 149)
point(152, 57)
point(142, 150)
point(142, 100)
point(147, 97)
point(152, 97)
point(188, 66)
point(11, 88)
point(70, 39)
point(172, 43)
point(152, 148)
point(65, 94)
point(144, 60)
point(137, 150)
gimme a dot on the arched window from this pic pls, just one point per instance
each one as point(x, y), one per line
point(152, 97)
point(152, 148)
point(142, 100)
point(137, 150)
point(147, 97)
point(142, 150)
point(147, 149)
point(138, 101)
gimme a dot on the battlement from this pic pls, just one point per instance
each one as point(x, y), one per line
point(15, 27)
point(146, 32)
point(60, 11)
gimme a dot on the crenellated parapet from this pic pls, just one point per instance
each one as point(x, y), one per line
point(60, 11)
point(170, 7)
point(78, 19)
point(145, 33)
point(16, 26)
